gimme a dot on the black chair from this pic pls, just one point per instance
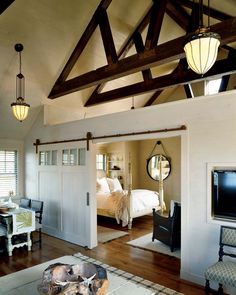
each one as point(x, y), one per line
point(24, 203)
point(37, 206)
point(223, 272)
point(168, 229)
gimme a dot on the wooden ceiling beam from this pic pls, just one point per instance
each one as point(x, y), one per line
point(188, 90)
point(220, 68)
point(154, 28)
point(225, 79)
point(153, 98)
point(159, 55)
point(138, 41)
point(82, 43)
point(107, 38)
point(124, 49)
point(178, 14)
point(216, 14)
point(4, 4)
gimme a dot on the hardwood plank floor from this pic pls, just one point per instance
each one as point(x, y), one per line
point(152, 266)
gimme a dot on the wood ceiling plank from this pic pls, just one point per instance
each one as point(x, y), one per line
point(220, 68)
point(154, 28)
point(159, 55)
point(107, 38)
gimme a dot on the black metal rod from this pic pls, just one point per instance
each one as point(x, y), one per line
point(183, 127)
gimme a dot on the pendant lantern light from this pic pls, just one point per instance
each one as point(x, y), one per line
point(20, 108)
point(201, 47)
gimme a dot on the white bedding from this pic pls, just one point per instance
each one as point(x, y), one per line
point(116, 203)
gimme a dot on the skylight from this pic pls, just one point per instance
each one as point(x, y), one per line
point(212, 86)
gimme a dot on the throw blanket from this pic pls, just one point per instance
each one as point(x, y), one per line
point(120, 200)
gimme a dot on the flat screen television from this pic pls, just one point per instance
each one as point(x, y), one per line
point(224, 194)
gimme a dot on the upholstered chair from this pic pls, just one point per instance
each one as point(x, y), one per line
point(223, 272)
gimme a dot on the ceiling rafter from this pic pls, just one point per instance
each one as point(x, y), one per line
point(124, 50)
point(173, 10)
point(225, 79)
point(4, 4)
point(188, 90)
point(138, 41)
point(185, 20)
point(161, 54)
point(82, 42)
point(178, 14)
point(220, 68)
point(154, 28)
point(216, 14)
point(107, 38)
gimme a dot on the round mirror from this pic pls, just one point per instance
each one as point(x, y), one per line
point(158, 165)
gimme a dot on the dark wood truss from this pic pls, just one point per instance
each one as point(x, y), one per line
point(149, 54)
point(4, 4)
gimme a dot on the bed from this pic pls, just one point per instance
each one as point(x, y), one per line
point(124, 205)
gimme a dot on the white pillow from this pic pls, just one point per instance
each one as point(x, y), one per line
point(117, 185)
point(103, 186)
point(110, 182)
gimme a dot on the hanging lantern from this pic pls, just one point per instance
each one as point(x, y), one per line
point(20, 108)
point(201, 50)
point(201, 47)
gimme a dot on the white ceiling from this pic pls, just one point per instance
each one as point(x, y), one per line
point(49, 31)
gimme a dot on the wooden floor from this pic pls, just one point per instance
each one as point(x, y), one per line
point(150, 265)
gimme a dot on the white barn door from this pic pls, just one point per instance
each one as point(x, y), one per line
point(64, 186)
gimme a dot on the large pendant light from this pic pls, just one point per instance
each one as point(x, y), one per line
point(20, 108)
point(201, 47)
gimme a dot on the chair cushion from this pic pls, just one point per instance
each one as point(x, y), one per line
point(223, 272)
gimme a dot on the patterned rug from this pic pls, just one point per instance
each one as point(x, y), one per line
point(26, 281)
point(134, 284)
point(106, 234)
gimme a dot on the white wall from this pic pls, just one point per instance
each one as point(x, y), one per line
point(210, 137)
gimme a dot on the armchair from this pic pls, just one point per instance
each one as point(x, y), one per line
point(224, 271)
point(168, 229)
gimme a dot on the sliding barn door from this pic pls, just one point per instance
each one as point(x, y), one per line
point(64, 186)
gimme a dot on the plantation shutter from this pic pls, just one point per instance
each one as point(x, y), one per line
point(8, 172)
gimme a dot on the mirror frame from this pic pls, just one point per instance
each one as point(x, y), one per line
point(147, 166)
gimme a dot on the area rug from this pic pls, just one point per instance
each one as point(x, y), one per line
point(132, 284)
point(106, 234)
point(120, 282)
point(145, 242)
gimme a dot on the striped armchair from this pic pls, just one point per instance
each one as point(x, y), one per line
point(223, 272)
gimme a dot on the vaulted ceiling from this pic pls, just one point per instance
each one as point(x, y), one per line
point(88, 58)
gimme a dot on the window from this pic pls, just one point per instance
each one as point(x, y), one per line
point(212, 86)
point(48, 158)
point(101, 162)
point(8, 172)
point(71, 157)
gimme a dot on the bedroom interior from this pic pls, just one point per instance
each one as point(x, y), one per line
point(108, 67)
point(131, 160)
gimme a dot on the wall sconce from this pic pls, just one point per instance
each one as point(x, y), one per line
point(201, 47)
point(20, 108)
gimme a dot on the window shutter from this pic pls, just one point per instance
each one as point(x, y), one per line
point(8, 172)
